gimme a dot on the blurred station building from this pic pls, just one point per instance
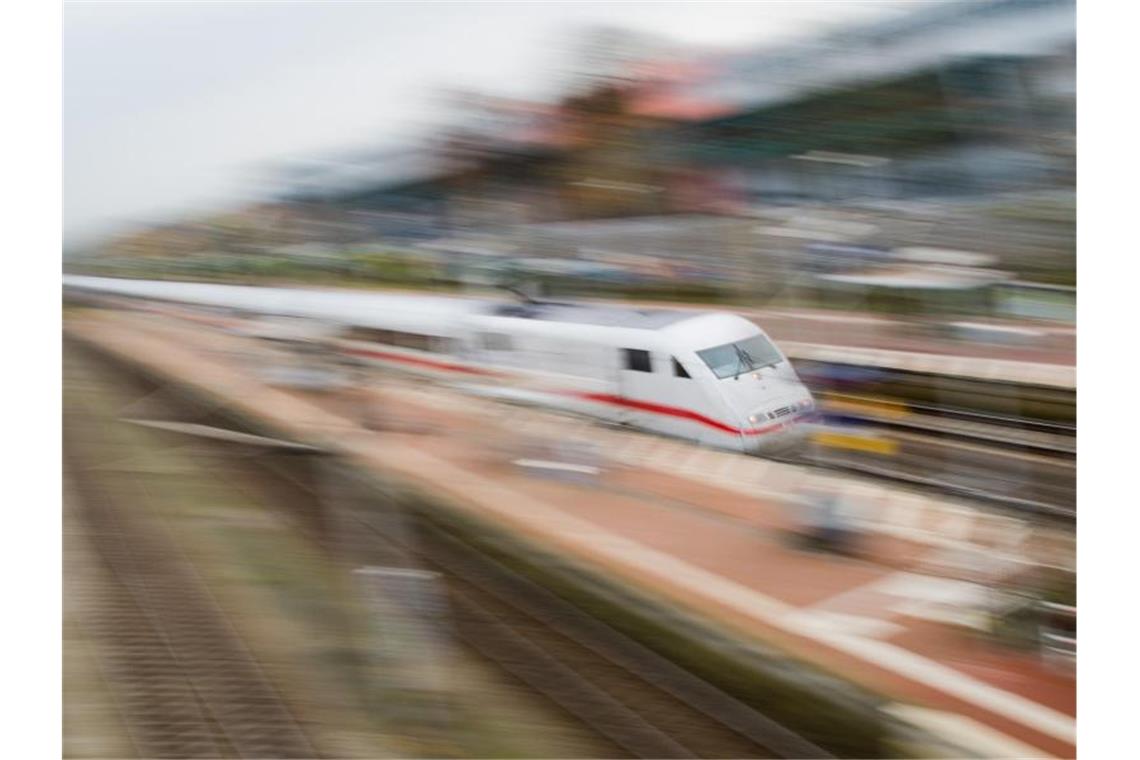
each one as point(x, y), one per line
point(953, 99)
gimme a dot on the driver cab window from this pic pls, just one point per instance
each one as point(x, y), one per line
point(679, 369)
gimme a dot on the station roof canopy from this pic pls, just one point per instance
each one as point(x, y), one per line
point(912, 277)
point(944, 256)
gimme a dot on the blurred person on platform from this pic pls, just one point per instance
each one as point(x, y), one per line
point(826, 520)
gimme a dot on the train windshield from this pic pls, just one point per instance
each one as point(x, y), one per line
point(733, 359)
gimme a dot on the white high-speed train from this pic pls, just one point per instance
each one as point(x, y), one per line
point(710, 377)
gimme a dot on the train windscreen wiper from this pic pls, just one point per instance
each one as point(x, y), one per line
point(742, 358)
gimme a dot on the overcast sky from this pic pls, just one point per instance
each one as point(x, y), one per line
point(171, 107)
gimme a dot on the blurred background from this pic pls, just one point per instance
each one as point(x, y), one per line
point(887, 188)
point(779, 172)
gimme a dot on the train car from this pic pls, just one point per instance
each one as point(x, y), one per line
point(710, 377)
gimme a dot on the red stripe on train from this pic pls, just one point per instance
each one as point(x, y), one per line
point(674, 411)
point(432, 363)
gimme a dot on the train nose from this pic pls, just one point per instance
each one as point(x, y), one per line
point(785, 412)
point(786, 427)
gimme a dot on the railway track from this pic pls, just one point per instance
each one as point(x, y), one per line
point(1023, 401)
point(986, 491)
point(636, 701)
point(1022, 464)
point(998, 431)
point(633, 697)
point(187, 686)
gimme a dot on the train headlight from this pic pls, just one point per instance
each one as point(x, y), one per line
point(752, 419)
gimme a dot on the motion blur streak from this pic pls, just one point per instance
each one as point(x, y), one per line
point(705, 401)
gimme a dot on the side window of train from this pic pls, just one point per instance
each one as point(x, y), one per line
point(417, 342)
point(413, 341)
point(637, 360)
point(369, 335)
point(679, 369)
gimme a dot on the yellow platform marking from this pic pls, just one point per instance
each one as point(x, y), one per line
point(881, 407)
point(857, 442)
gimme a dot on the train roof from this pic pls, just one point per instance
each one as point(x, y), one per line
point(306, 302)
point(371, 309)
point(592, 314)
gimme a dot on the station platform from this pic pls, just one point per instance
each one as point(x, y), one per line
point(879, 619)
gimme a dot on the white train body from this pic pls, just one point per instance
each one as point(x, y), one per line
point(710, 377)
